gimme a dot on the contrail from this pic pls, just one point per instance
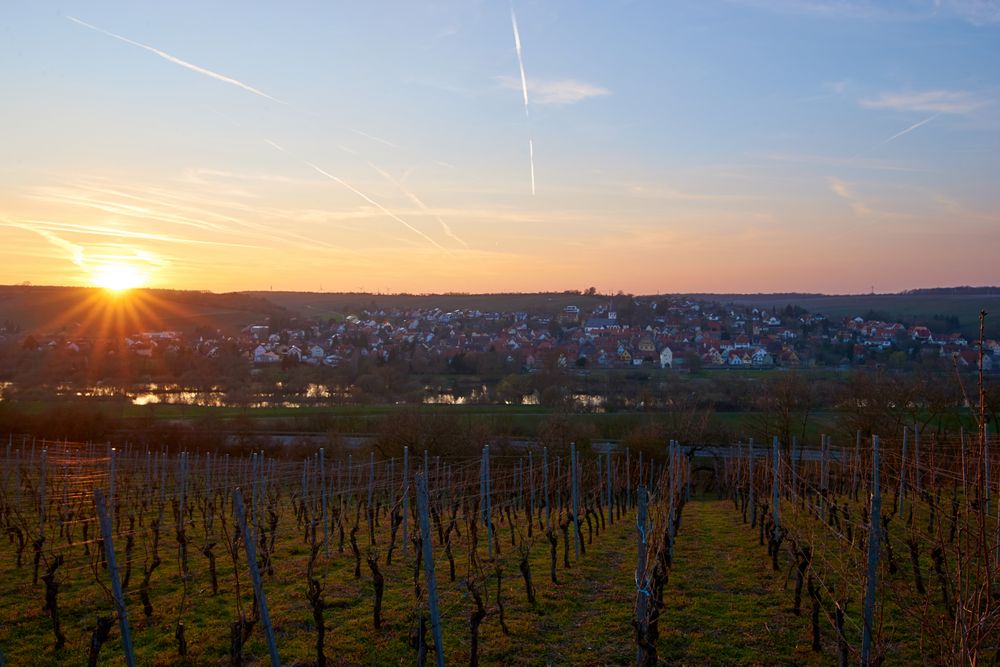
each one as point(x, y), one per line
point(896, 136)
point(420, 204)
point(374, 138)
point(363, 196)
point(376, 205)
point(909, 129)
point(520, 59)
point(178, 61)
point(531, 161)
point(524, 91)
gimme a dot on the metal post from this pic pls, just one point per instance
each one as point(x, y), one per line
point(406, 498)
point(791, 465)
point(545, 478)
point(575, 481)
point(857, 464)
point(428, 557)
point(116, 585)
point(531, 487)
point(489, 504)
point(671, 462)
point(258, 587)
point(902, 475)
point(753, 505)
point(322, 477)
point(608, 478)
point(642, 590)
point(41, 500)
point(371, 498)
point(775, 498)
point(874, 544)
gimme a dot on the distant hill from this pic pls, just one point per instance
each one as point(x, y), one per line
point(85, 311)
point(38, 309)
point(329, 304)
point(934, 307)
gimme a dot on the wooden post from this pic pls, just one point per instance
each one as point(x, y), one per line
point(116, 585)
point(258, 587)
point(428, 558)
point(874, 544)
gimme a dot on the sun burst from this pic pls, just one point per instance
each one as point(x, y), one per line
point(118, 277)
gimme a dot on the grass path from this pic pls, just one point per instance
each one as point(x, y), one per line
point(724, 603)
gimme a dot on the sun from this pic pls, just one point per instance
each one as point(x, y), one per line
point(117, 277)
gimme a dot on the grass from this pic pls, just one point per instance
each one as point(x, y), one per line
point(724, 604)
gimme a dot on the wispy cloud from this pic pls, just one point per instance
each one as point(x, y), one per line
point(839, 161)
point(374, 138)
point(859, 205)
point(849, 9)
point(177, 61)
point(979, 12)
point(556, 92)
point(90, 258)
point(928, 101)
point(847, 193)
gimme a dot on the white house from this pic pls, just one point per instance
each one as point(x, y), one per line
point(666, 358)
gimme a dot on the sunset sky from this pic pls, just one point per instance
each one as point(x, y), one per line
point(728, 146)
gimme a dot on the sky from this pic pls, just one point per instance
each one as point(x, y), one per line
point(473, 146)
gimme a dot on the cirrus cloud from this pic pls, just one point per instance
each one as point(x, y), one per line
point(930, 101)
point(555, 91)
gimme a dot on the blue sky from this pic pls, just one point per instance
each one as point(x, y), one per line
point(725, 146)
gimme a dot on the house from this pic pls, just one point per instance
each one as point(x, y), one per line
point(761, 358)
point(713, 357)
point(262, 355)
point(666, 358)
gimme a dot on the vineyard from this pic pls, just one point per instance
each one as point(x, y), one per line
point(723, 554)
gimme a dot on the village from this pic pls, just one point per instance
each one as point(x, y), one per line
point(674, 333)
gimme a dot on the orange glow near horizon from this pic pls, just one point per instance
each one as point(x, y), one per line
point(118, 277)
